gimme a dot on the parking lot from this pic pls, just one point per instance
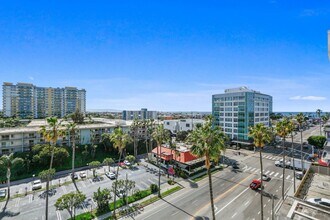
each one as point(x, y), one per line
point(32, 205)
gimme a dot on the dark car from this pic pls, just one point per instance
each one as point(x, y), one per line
point(74, 176)
point(235, 166)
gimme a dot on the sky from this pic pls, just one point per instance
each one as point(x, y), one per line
point(170, 55)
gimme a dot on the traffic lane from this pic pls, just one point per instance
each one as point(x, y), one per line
point(181, 206)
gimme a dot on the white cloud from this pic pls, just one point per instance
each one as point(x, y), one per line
point(309, 98)
point(31, 78)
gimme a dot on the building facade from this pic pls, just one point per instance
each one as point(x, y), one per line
point(25, 100)
point(181, 124)
point(143, 114)
point(238, 109)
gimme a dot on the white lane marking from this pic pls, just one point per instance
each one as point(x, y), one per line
point(83, 184)
point(234, 215)
point(194, 201)
point(215, 208)
point(277, 190)
point(257, 170)
point(271, 173)
point(30, 198)
point(17, 202)
point(259, 213)
point(174, 213)
point(276, 174)
point(281, 176)
point(247, 202)
point(268, 218)
point(253, 169)
point(267, 172)
point(145, 185)
point(292, 179)
point(264, 205)
point(58, 214)
point(288, 177)
point(232, 201)
point(268, 200)
point(248, 169)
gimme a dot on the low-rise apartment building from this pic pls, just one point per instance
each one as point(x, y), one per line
point(182, 124)
point(24, 138)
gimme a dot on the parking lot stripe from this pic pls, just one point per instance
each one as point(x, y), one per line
point(253, 169)
point(271, 173)
point(281, 176)
point(288, 177)
point(276, 174)
point(17, 202)
point(145, 185)
point(248, 169)
point(256, 171)
point(83, 184)
point(267, 172)
point(30, 198)
point(58, 214)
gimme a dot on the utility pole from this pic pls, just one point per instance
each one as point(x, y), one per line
point(126, 196)
point(273, 211)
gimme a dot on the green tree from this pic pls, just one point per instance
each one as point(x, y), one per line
point(301, 119)
point(130, 158)
point(77, 117)
point(102, 198)
point(134, 132)
point(72, 132)
point(160, 135)
point(181, 136)
point(70, 202)
point(119, 140)
point(261, 135)
point(94, 147)
point(108, 161)
point(208, 141)
point(94, 165)
point(9, 162)
point(282, 130)
point(47, 175)
point(291, 127)
point(317, 141)
point(125, 187)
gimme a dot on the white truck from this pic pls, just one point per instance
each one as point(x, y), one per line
point(298, 165)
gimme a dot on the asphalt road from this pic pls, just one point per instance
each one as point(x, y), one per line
point(33, 206)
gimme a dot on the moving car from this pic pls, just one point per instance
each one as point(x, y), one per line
point(299, 175)
point(36, 185)
point(265, 177)
point(83, 174)
point(127, 163)
point(320, 201)
point(279, 163)
point(74, 176)
point(3, 193)
point(111, 176)
point(255, 184)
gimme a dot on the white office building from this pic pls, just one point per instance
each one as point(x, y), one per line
point(181, 124)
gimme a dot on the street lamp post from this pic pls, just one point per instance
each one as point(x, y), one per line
point(32, 186)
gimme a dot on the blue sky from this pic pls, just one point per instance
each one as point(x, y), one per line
point(170, 55)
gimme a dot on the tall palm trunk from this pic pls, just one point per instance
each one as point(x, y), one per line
point(294, 167)
point(160, 152)
point(115, 196)
point(301, 148)
point(73, 157)
point(135, 147)
point(147, 151)
point(261, 186)
point(158, 163)
point(211, 192)
point(47, 189)
point(284, 164)
point(8, 181)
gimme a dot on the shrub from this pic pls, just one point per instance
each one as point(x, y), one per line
point(153, 188)
point(171, 182)
point(317, 141)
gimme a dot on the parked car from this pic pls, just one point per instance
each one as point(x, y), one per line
point(36, 185)
point(256, 184)
point(127, 163)
point(299, 175)
point(320, 201)
point(235, 166)
point(74, 176)
point(3, 193)
point(111, 176)
point(83, 174)
point(279, 163)
point(265, 177)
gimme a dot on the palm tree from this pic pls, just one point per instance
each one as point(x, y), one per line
point(291, 126)
point(51, 133)
point(47, 175)
point(318, 112)
point(300, 118)
point(160, 135)
point(9, 162)
point(261, 136)
point(134, 128)
point(207, 141)
point(120, 140)
point(282, 130)
point(72, 131)
point(108, 161)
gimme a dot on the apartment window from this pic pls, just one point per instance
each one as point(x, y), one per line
point(167, 123)
point(12, 136)
point(3, 144)
point(187, 125)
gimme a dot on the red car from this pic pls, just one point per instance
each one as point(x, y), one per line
point(255, 184)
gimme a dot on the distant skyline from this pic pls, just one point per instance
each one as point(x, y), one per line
point(170, 55)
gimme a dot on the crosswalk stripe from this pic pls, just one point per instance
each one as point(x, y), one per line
point(149, 180)
point(267, 172)
point(256, 171)
point(248, 169)
point(281, 176)
point(292, 179)
point(253, 169)
point(288, 177)
point(271, 173)
point(276, 174)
